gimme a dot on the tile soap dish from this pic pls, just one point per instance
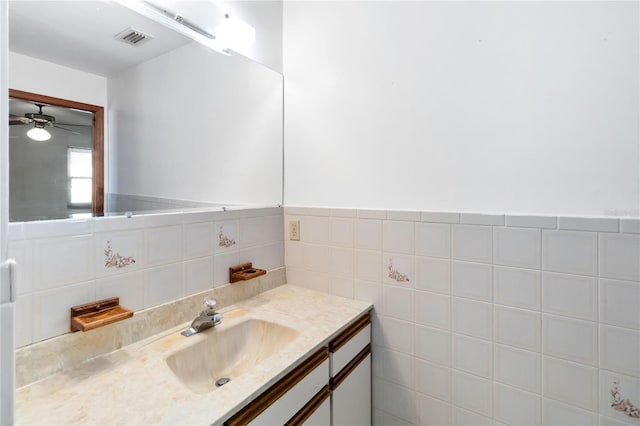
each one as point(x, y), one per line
point(96, 314)
point(244, 272)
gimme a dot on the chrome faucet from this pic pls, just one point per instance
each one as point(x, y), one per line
point(208, 318)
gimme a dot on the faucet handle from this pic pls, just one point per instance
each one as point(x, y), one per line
point(209, 306)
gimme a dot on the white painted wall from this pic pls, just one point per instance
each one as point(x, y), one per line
point(483, 106)
point(46, 78)
point(199, 126)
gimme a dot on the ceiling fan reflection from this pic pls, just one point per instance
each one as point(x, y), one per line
point(41, 120)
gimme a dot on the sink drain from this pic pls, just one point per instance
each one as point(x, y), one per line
point(222, 381)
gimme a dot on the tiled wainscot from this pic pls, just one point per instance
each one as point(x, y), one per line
point(146, 260)
point(486, 318)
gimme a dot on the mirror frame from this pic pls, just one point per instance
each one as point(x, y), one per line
point(97, 193)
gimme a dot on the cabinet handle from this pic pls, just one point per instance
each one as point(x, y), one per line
point(348, 369)
point(353, 329)
point(305, 412)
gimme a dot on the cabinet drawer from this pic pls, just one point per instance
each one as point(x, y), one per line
point(284, 399)
point(349, 344)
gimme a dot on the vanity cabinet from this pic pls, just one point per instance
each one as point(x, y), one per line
point(294, 399)
point(350, 380)
point(331, 387)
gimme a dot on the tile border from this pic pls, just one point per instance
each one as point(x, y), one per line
point(609, 224)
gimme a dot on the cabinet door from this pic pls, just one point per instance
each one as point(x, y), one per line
point(289, 395)
point(320, 417)
point(317, 412)
point(352, 396)
point(288, 404)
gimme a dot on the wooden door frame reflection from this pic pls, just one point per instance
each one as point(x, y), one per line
point(97, 193)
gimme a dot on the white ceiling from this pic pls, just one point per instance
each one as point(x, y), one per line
point(81, 34)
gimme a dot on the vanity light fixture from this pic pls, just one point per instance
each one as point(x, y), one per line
point(38, 133)
point(235, 34)
point(176, 22)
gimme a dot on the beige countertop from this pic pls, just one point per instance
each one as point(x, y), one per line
point(134, 385)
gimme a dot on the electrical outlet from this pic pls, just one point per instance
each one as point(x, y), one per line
point(294, 230)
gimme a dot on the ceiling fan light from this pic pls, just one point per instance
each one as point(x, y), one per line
point(39, 134)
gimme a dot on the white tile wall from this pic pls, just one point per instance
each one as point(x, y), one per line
point(162, 245)
point(342, 232)
point(515, 407)
point(432, 239)
point(519, 288)
point(571, 339)
point(523, 324)
point(473, 393)
point(472, 243)
point(198, 240)
point(472, 280)
point(462, 417)
point(556, 413)
point(619, 302)
point(620, 350)
point(472, 318)
point(517, 327)
point(431, 412)
point(570, 295)
point(369, 234)
point(197, 275)
point(62, 260)
point(518, 247)
point(51, 308)
point(433, 380)
point(432, 309)
point(397, 367)
point(433, 274)
point(62, 263)
point(128, 287)
point(162, 284)
point(397, 236)
point(573, 252)
point(518, 368)
point(368, 265)
point(473, 355)
point(572, 383)
point(397, 302)
point(620, 256)
point(433, 345)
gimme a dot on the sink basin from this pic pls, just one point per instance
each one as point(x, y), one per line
point(227, 351)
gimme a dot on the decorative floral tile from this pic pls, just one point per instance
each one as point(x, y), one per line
point(226, 236)
point(118, 252)
point(114, 259)
point(397, 269)
point(620, 397)
point(621, 403)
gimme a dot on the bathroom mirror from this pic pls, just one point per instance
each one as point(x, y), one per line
point(185, 127)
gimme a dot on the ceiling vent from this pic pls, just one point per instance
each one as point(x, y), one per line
point(133, 37)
